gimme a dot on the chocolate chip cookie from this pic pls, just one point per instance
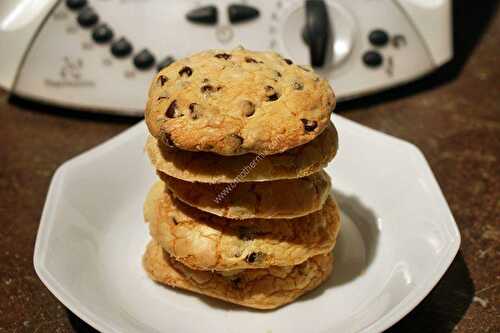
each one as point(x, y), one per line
point(236, 102)
point(264, 288)
point(204, 241)
point(212, 168)
point(287, 198)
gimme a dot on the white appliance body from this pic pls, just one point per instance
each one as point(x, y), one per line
point(49, 57)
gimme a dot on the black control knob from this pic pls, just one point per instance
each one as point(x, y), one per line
point(240, 13)
point(87, 17)
point(121, 48)
point(102, 34)
point(372, 59)
point(378, 37)
point(317, 31)
point(76, 4)
point(165, 63)
point(203, 15)
point(144, 59)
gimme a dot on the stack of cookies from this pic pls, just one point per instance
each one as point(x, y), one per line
point(242, 211)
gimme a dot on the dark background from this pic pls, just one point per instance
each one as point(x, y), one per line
point(453, 116)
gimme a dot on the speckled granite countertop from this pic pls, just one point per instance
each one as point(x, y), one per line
point(452, 115)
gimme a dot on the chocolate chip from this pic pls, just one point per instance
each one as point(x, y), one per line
point(278, 74)
point(194, 111)
point(288, 61)
point(254, 256)
point(273, 97)
point(175, 221)
point(186, 70)
point(166, 138)
point(251, 257)
point(205, 80)
point(172, 111)
point(248, 108)
point(298, 86)
point(251, 60)
point(309, 125)
point(161, 97)
point(224, 56)
point(271, 94)
point(236, 138)
point(162, 79)
point(207, 88)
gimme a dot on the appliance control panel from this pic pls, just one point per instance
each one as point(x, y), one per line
point(102, 54)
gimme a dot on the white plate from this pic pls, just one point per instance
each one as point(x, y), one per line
point(397, 240)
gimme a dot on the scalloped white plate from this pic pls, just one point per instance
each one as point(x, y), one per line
point(397, 240)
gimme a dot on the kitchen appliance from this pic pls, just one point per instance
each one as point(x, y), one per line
point(101, 54)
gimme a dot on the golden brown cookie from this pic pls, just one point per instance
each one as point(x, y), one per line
point(287, 198)
point(204, 241)
point(265, 288)
point(236, 102)
point(211, 168)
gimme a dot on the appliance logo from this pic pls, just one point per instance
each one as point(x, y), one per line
point(70, 75)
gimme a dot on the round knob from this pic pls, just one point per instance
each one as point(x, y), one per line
point(167, 61)
point(378, 37)
point(76, 4)
point(87, 17)
point(372, 59)
point(121, 48)
point(102, 34)
point(144, 59)
point(317, 31)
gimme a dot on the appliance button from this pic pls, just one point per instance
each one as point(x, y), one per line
point(87, 17)
point(165, 63)
point(203, 15)
point(75, 4)
point(144, 59)
point(241, 13)
point(372, 59)
point(121, 48)
point(378, 37)
point(102, 34)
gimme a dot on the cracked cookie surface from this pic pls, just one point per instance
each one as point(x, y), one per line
point(211, 168)
point(236, 102)
point(273, 199)
point(264, 288)
point(205, 241)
